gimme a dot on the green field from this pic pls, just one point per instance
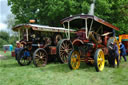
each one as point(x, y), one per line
point(59, 74)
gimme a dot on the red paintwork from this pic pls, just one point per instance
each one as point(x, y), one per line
point(13, 53)
point(100, 46)
point(105, 50)
point(87, 59)
point(77, 42)
point(106, 40)
point(81, 35)
point(52, 50)
point(127, 51)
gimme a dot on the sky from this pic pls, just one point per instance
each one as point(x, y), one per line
point(4, 12)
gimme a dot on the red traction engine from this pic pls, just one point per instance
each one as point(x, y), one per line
point(90, 40)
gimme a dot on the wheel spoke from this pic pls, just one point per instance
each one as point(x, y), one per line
point(61, 53)
point(69, 49)
point(37, 54)
point(63, 44)
point(40, 53)
point(62, 47)
point(62, 50)
point(66, 45)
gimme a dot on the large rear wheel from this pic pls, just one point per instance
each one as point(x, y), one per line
point(99, 60)
point(63, 49)
point(74, 59)
point(40, 57)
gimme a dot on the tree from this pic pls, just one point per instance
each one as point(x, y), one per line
point(115, 12)
point(5, 38)
point(50, 12)
point(2, 42)
point(10, 21)
point(4, 35)
point(120, 15)
point(13, 40)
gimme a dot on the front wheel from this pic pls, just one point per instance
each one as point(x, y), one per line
point(24, 57)
point(99, 60)
point(74, 59)
point(40, 57)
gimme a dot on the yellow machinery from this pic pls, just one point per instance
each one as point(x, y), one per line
point(124, 39)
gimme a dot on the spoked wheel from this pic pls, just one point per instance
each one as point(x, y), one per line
point(24, 57)
point(99, 60)
point(74, 59)
point(111, 59)
point(63, 49)
point(40, 57)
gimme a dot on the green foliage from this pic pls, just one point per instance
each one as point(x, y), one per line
point(13, 40)
point(50, 12)
point(2, 42)
point(5, 38)
point(4, 35)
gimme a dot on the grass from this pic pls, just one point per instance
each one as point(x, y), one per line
point(59, 74)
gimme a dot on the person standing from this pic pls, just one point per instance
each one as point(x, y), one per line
point(113, 51)
point(123, 52)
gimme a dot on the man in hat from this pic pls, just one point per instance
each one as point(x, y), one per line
point(123, 52)
point(17, 49)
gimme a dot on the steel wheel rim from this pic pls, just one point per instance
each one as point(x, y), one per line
point(100, 60)
point(41, 58)
point(65, 48)
point(75, 60)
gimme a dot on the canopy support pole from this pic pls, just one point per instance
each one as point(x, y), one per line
point(19, 34)
point(68, 30)
point(86, 27)
point(27, 34)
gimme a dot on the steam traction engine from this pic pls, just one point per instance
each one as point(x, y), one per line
point(40, 43)
point(91, 39)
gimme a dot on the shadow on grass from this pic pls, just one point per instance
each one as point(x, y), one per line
point(87, 67)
